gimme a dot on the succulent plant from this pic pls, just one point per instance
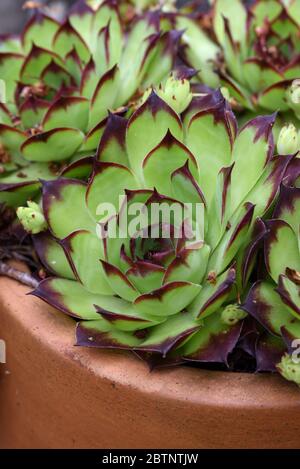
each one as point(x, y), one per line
point(163, 294)
point(253, 52)
point(275, 301)
point(61, 80)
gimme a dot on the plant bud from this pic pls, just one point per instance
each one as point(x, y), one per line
point(288, 140)
point(232, 314)
point(32, 218)
point(293, 97)
point(176, 93)
point(289, 369)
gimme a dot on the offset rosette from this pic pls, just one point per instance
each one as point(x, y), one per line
point(62, 80)
point(164, 285)
point(275, 301)
point(255, 56)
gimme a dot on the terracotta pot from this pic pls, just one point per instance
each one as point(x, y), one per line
point(55, 395)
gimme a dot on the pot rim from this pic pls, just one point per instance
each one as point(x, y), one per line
point(217, 389)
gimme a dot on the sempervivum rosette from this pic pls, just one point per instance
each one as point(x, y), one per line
point(61, 80)
point(175, 296)
point(275, 301)
point(254, 52)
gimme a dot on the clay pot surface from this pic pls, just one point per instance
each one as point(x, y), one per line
point(56, 395)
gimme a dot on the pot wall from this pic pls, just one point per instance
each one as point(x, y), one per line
point(55, 395)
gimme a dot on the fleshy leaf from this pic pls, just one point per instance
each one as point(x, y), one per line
point(145, 122)
point(104, 97)
point(170, 334)
point(252, 149)
point(108, 183)
point(33, 111)
point(64, 207)
point(213, 342)
point(277, 258)
point(169, 155)
point(167, 300)
point(210, 136)
point(52, 255)
point(190, 264)
point(84, 251)
point(66, 39)
point(119, 283)
point(55, 145)
point(265, 305)
point(145, 276)
point(213, 294)
point(73, 111)
point(39, 30)
point(36, 61)
point(70, 297)
point(112, 146)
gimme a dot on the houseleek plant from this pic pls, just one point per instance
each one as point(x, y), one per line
point(170, 294)
point(253, 53)
point(61, 80)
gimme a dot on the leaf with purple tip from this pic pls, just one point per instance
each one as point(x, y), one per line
point(66, 196)
point(169, 155)
point(70, 111)
point(213, 294)
point(167, 300)
point(55, 145)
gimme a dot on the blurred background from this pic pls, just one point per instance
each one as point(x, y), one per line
point(12, 16)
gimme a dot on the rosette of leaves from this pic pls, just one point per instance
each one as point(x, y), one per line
point(253, 52)
point(275, 301)
point(173, 298)
point(61, 80)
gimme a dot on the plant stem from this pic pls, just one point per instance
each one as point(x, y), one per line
point(22, 277)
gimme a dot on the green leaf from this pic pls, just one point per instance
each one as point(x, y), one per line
point(189, 265)
point(107, 184)
point(55, 145)
point(232, 240)
point(36, 61)
point(112, 146)
point(40, 30)
point(277, 256)
point(119, 283)
point(101, 334)
point(259, 75)
point(85, 250)
point(273, 98)
point(66, 196)
point(145, 276)
point(213, 342)
point(70, 297)
point(169, 155)
point(145, 122)
point(203, 56)
point(209, 137)
point(167, 300)
point(66, 39)
point(104, 97)
point(170, 334)
point(70, 111)
point(32, 112)
point(213, 295)
point(265, 305)
point(52, 255)
point(252, 149)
